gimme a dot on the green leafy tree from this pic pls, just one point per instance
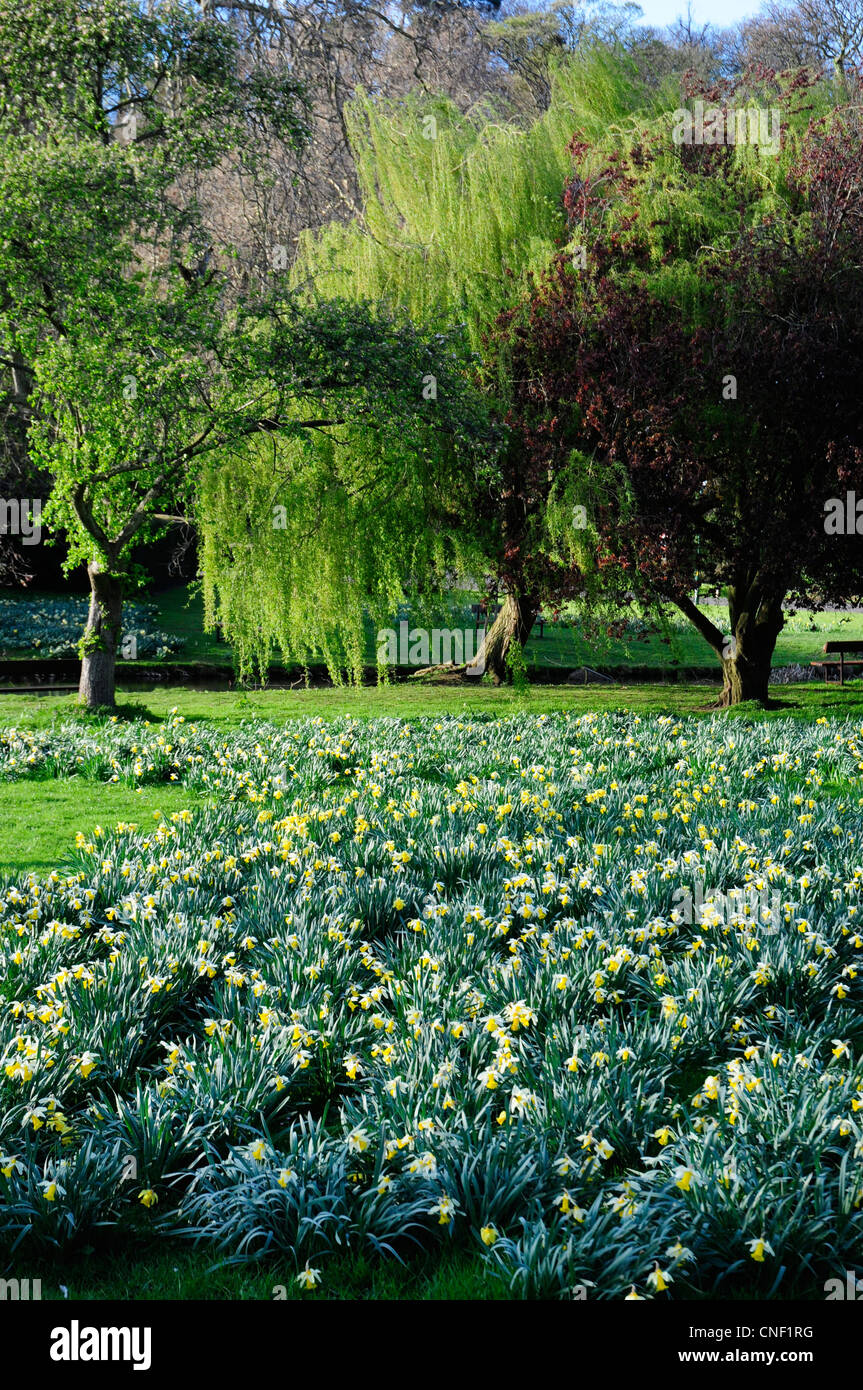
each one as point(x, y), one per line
point(707, 361)
point(310, 532)
point(459, 215)
point(145, 371)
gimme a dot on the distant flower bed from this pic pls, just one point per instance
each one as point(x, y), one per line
point(793, 675)
point(53, 628)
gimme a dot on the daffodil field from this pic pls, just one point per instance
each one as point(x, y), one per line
point(578, 993)
point(52, 627)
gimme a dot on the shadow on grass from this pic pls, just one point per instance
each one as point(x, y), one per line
point(125, 713)
point(751, 708)
point(140, 1270)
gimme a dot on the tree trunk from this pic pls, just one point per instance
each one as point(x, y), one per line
point(745, 678)
point(97, 687)
point(755, 619)
point(514, 623)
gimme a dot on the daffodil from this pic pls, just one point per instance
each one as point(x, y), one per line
point(659, 1279)
point(758, 1248)
point(308, 1278)
point(444, 1209)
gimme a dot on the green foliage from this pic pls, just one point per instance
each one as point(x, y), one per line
point(458, 214)
point(152, 382)
point(86, 65)
point(517, 667)
point(89, 643)
point(304, 537)
point(461, 214)
point(107, 302)
point(679, 207)
point(403, 990)
point(293, 523)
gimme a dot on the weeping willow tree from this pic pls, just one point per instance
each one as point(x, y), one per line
point(460, 215)
point(459, 211)
point(303, 540)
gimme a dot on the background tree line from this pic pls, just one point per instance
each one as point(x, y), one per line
point(232, 250)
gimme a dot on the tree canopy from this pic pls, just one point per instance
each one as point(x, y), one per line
point(705, 362)
point(559, 354)
point(642, 326)
point(459, 214)
point(145, 370)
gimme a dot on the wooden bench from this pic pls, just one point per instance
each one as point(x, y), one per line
point(842, 649)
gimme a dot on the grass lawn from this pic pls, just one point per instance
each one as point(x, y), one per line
point(181, 611)
point(181, 1272)
point(409, 700)
point(39, 820)
point(562, 646)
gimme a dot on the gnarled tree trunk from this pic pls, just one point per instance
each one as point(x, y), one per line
point(97, 686)
point(514, 623)
point(756, 619)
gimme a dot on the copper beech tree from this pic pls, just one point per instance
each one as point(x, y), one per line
point(695, 355)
